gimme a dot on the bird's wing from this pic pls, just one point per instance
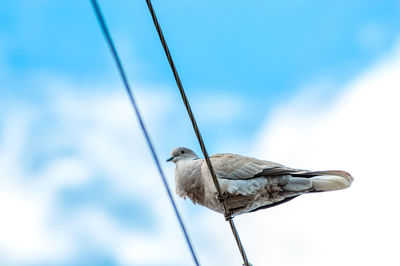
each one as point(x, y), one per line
point(238, 167)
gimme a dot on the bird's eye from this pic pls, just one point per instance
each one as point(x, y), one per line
point(182, 152)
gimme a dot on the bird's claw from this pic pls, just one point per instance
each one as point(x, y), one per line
point(222, 197)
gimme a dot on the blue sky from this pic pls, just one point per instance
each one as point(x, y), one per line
point(260, 52)
point(67, 130)
point(251, 49)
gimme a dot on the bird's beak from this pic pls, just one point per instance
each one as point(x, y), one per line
point(170, 159)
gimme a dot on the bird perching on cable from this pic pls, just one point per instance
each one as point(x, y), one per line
point(247, 184)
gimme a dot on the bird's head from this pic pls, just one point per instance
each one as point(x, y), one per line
point(181, 153)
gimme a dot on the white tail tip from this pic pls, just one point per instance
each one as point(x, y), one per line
point(331, 180)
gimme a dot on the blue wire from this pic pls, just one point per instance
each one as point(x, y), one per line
point(107, 35)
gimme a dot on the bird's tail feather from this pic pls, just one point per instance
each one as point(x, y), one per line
point(330, 180)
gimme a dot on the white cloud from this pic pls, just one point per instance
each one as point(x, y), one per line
point(106, 140)
point(23, 231)
point(359, 133)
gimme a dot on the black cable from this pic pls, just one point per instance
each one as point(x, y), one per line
point(197, 131)
point(107, 35)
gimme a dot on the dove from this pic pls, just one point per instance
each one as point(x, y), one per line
point(247, 184)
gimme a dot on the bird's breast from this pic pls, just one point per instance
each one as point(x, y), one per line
point(188, 180)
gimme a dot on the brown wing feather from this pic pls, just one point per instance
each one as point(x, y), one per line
point(236, 167)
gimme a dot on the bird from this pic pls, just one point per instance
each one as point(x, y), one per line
point(247, 184)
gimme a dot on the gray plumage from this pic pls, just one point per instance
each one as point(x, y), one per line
point(248, 183)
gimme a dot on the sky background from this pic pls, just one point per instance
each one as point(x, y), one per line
point(309, 84)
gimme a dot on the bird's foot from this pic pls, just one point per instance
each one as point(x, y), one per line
point(222, 197)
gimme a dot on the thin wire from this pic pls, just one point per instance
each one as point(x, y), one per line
point(197, 131)
point(117, 60)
